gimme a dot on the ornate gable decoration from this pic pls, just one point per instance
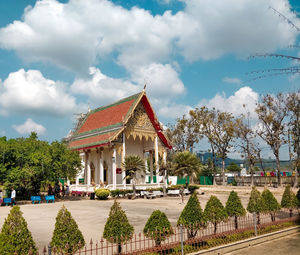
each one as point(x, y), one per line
point(140, 125)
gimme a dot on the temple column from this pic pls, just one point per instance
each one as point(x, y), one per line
point(165, 172)
point(114, 168)
point(88, 168)
point(101, 167)
point(123, 161)
point(97, 170)
point(151, 166)
point(82, 168)
point(156, 159)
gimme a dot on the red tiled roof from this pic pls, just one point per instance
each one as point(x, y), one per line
point(103, 124)
point(107, 117)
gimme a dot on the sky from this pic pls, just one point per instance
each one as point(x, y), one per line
point(57, 58)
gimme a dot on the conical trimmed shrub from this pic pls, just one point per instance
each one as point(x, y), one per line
point(215, 212)
point(117, 227)
point(289, 200)
point(158, 227)
point(67, 238)
point(256, 203)
point(270, 202)
point(234, 207)
point(15, 236)
point(192, 217)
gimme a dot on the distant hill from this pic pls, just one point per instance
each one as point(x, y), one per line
point(267, 163)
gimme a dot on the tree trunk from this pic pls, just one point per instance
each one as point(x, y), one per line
point(236, 222)
point(278, 169)
point(291, 212)
point(119, 248)
point(215, 227)
point(252, 177)
point(223, 172)
point(165, 184)
point(258, 218)
point(296, 177)
point(133, 188)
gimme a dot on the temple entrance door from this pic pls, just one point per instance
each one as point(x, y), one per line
point(92, 173)
point(105, 171)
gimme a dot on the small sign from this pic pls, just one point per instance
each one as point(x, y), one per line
point(119, 170)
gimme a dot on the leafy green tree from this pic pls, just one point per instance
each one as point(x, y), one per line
point(165, 167)
point(192, 217)
point(215, 212)
point(256, 203)
point(158, 227)
point(271, 204)
point(233, 167)
point(289, 200)
point(67, 238)
point(117, 227)
point(134, 167)
point(234, 207)
point(15, 236)
point(186, 164)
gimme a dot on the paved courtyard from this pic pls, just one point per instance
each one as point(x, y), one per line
point(91, 215)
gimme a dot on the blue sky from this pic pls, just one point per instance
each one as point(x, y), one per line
point(58, 57)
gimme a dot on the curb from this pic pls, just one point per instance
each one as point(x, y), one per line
point(248, 242)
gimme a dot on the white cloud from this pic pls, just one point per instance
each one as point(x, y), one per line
point(244, 100)
point(28, 127)
point(2, 133)
point(163, 85)
point(74, 34)
point(30, 92)
point(232, 80)
point(103, 89)
point(174, 111)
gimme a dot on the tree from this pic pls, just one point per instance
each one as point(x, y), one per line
point(184, 134)
point(256, 203)
point(233, 167)
point(247, 143)
point(134, 166)
point(186, 164)
point(165, 166)
point(293, 106)
point(215, 212)
point(271, 204)
point(234, 207)
point(117, 227)
point(272, 112)
point(289, 200)
point(192, 217)
point(158, 227)
point(67, 238)
point(15, 236)
point(205, 119)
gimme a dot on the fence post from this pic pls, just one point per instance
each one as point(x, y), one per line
point(49, 249)
point(181, 239)
point(255, 223)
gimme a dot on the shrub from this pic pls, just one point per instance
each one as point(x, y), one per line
point(234, 207)
point(234, 183)
point(102, 194)
point(192, 216)
point(192, 188)
point(15, 236)
point(173, 187)
point(256, 203)
point(115, 193)
point(158, 227)
point(289, 200)
point(270, 202)
point(117, 227)
point(67, 238)
point(215, 212)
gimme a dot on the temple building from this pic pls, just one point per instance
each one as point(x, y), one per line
point(106, 135)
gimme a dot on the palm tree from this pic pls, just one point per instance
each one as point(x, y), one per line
point(164, 168)
point(133, 165)
point(186, 164)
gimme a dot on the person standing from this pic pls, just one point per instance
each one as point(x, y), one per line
point(13, 197)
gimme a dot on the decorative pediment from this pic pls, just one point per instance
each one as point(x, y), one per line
point(139, 125)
